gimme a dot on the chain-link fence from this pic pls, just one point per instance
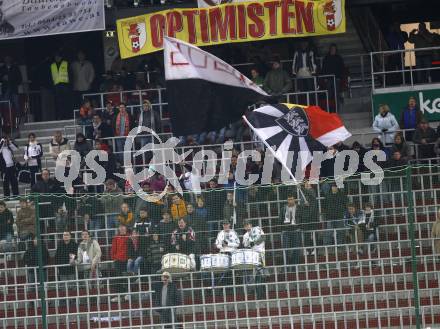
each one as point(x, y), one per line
point(361, 256)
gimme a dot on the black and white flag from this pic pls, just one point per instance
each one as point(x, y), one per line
point(204, 93)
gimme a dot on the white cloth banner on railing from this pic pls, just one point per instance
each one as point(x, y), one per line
point(31, 18)
point(210, 3)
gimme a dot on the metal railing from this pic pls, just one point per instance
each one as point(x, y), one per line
point(402, 74)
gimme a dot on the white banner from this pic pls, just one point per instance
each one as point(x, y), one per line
point(211, 3)
point(31, 18)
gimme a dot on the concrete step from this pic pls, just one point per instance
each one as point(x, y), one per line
point(53, 124)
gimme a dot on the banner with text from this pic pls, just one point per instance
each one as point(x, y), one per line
point(32, 18)
point(428, 100)
point(211, 3)
point(227, 23)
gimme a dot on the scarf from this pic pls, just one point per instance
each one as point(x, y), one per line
point(135, 241)
point(126, 124)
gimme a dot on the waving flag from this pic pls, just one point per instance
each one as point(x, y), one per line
point(204, 92)
point(296, 130)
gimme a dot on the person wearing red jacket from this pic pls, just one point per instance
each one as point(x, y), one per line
point(119, 255)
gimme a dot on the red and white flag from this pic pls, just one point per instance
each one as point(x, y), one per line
point(296, 131)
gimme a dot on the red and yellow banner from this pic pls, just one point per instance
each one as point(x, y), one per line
point(235, 22)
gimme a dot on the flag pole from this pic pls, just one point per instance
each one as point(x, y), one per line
point(234, 215)
point(273, 153)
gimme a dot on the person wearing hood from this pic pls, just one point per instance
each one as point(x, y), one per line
point(402, 146)
point(32, 155)
point(25, 220)
point(435, 233)
point(277, 81)
point(58, 145)
point(386, 124)
point(82, 146)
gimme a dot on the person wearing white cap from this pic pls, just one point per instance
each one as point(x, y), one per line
point(166, 297)
point(227, 240)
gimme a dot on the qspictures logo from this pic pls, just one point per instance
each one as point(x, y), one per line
point(206, 164)
point(134, 35)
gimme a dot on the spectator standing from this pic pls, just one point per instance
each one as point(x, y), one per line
point(33, 153)
point(46, 186)
point(66, 255)
point(227, 240)
point(119, 256)
point(126, 216)
point(402, 146)
point(30, 258)
point(410, 117)
point(166, 297)
point(370, 222)
point(112, 201)
point(83, 75)
point(386, 124)
point(100, 129)
point(136, 250)
point(200, 225)
point(304, 67)
point(333, 64)
point(309, 217)
point(122, 128)
point(6, 228)
point(10, 80)
point(291, 234)
point(25, 220)
point(143, 223)
point(422, 38)
point(396, 39)
point(352, 232)
point(424, 137)
point(155, 251)
point(7, 166)
point(110, 113)
point(58, 144)
point(82, 145)
point(334, 206)
point(256, 78)
point(183, 238)
point(277, 81)
point(88, 256)
point(60, 80)
point(391, 183)
point(165, 228)
point(148, 118)
point(435, 233)
point(178, 207)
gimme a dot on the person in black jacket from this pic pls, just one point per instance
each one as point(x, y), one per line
point(10, 77)
point(65, 255)
point(6, 228)
point(166, 297)
point(166, 228)
point(30, 258)
point(136, 251)
point(7, 166)
point(155, 251)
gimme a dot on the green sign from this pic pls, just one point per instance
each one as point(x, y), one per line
point(428, 100)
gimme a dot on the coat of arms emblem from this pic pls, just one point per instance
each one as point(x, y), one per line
point(295, 122)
